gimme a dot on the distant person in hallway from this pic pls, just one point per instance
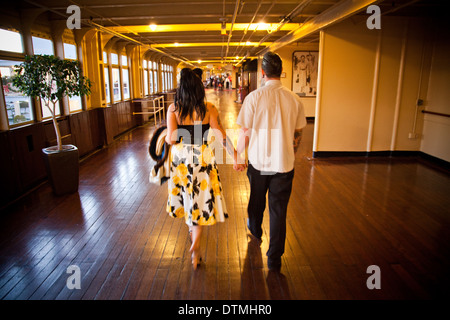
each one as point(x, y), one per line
point(271, 118)
point(195, 190)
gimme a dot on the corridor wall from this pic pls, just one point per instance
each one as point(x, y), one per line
point(369, 85)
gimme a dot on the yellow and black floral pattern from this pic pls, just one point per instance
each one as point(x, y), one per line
point(195, 191)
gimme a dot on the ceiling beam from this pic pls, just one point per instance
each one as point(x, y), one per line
point(263, 27)
point(208, 44)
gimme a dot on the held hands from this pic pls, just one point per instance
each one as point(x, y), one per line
point(239, 164)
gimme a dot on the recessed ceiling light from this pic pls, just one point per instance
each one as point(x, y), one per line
point(153, 26)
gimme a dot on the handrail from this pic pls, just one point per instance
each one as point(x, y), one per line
point(156, 106)
point(436, 113)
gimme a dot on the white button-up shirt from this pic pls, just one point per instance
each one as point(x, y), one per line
point(272, 113)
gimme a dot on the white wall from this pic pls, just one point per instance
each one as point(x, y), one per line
point(369, 84)
point(436, 129)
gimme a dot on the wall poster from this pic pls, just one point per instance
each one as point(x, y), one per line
point(304, 73)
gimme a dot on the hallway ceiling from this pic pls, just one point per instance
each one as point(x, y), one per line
point(217, 31)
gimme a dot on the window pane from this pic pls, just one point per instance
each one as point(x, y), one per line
point(46, 113)
point(42, 46)
point(108, 97)
point(18, 106)
point(125, 81)
point(163, 78)
point(116, 84)
point(10, 41)
point(105, 57)
point(124, 61)
point(144, 64)
point(114, 58)
point(70, 51)
point(75, 104)
point(155, 82)
point(145, 82)
point(150, 81)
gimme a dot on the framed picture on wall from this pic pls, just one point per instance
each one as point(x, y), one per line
point(304, 73)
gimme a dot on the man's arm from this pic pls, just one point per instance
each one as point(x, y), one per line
point(297, 139)
point(243, 140)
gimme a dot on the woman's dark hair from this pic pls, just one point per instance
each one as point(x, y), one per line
point(198, 71)
point(190, 95)
point(272, 65)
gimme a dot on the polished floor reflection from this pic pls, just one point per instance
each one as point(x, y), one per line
point(344, 216)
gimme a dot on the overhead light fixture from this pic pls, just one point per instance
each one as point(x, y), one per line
point(199, 61)
point(223, 29)
point(153, 26)
point(263, 26)
point(176, 44)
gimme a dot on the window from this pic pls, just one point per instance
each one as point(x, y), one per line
point(18, 106)
point(46, 112)
point(11, 41)
point(70, 53)
point(114, 58)
point(150, 77)
point(45, 46)
point(108, 97)
point(155, 77)
point(115, 87)
point(42, 46)
point(171, 78)
point(163, 77)
point(145, 72)
point(106, 75)
point(125, 77)
point(125, 83)
point(116, 84)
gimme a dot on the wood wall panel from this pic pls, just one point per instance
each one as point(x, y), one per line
point(81, 133)
point(97, 127)
point(26, 147)
point(9, 182)
point(21, 163)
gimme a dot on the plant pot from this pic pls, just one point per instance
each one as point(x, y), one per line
point(62, 168)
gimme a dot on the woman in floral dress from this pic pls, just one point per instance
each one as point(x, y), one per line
point(195, 191)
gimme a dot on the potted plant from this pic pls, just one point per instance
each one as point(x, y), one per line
point(51, 78)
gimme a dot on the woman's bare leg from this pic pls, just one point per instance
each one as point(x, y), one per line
point(195, 247)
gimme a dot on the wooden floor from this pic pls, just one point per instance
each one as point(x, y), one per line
point(344, 216)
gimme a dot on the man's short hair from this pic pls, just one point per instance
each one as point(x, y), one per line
point(272, 65)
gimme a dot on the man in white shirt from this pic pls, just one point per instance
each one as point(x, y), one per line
point(271, 119)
